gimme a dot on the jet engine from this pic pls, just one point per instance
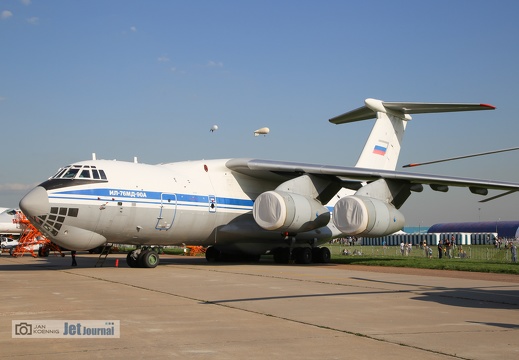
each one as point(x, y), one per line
point(289, 212)
point(364, 216)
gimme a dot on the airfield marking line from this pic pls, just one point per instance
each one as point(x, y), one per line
point(215, 303)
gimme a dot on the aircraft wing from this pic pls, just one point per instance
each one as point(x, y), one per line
point(272, 170)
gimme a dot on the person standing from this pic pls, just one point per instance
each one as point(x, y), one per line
point(73, 254)
point(440, 249)
point(447, 245)
point(451, 248)
point(513, 250)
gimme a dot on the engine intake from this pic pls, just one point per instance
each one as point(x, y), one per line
point(289, 212)
point(364, 216)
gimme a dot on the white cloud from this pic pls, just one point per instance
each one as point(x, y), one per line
point(211, 63)
point(26, 2)
point(133, 29)
point(163, 59)
point(6, 14)
point(33, 20)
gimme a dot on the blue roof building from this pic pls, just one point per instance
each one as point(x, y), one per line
point(504, 229)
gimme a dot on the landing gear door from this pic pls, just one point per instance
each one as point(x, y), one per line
point(212, 204)
point(168, 209)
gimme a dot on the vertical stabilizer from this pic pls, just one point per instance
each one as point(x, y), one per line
point(385, 141)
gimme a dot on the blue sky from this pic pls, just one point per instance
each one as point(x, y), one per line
point(150, 78)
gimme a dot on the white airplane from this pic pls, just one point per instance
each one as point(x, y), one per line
point(242, 207)
point(8, 225)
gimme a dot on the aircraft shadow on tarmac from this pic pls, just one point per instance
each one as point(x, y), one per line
point(501, 325)
point(482, 298)
point(84, 260)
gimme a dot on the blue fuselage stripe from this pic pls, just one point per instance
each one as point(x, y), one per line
point(150, 197)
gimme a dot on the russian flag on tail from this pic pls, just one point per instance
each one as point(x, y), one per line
point(380, 148)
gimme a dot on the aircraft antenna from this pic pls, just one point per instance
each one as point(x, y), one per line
point(459, 157)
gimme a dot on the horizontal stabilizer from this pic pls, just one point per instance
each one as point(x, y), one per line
point(402, 108)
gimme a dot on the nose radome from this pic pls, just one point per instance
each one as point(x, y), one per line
point(35, 203)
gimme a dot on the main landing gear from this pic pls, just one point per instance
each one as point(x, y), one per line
point(302, 255)
point(143, 258)
point(282, 255)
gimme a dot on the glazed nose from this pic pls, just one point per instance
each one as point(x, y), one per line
point(35, 203)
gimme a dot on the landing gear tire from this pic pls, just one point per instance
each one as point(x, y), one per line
point(253, 258)
point(326, 255)
point(303, 255)
point(148, 259)
point(43, 251)
point(321, 255)
point(212, 254)
point(132, 261)
point(281, 256)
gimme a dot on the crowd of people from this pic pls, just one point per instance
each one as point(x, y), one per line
point(446, 248)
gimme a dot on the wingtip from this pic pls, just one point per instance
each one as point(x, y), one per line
point(490, 107)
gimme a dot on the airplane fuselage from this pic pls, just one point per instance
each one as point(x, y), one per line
point(194, 203)
point(8, 222)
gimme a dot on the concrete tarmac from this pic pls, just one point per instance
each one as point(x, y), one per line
point(189, 309)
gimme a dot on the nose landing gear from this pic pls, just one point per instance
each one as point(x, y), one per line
point(143, 258)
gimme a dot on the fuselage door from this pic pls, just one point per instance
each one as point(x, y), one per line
point(168, 209)
point(212, 204)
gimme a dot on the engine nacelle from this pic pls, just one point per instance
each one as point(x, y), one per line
point(289, 212)
point(364, 216)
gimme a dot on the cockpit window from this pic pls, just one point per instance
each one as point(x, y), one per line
point(80, 172)
point(70, 174)
point(60, 172)
point(84, 174)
